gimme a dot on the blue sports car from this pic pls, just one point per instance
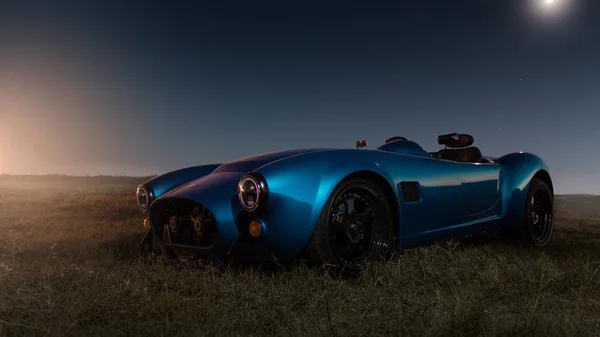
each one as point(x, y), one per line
point(347, 207)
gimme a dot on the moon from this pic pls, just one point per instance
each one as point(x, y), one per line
point(551, 11)
point(553, 6)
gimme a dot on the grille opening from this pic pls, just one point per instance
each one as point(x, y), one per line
point(410, 191)
point(184, 222)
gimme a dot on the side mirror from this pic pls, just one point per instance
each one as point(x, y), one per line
point(361, 143)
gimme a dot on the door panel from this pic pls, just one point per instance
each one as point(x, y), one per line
point(440, 195)
point(451, 195)
point(482, 184)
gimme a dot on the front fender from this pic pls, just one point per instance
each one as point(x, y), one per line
point(519, 169)
point(162, 184)
point(299, 187)
point(218, 193)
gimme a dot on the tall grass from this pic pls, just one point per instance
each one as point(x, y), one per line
point(68, 267)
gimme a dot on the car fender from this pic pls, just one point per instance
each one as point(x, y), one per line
point(314, 176)
point(519, 169)
point(164, 183)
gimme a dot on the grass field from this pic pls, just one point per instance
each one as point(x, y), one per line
point(69, 267)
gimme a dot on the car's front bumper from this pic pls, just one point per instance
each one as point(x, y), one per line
point(233, 237)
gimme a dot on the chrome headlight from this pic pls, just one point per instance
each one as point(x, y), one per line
point(252, 192)
point(144, 196)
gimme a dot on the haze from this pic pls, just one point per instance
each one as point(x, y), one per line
point(147, 87)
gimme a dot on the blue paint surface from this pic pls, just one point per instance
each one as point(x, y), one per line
point(455, 198)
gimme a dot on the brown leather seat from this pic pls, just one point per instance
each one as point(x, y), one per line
point(459, 149)
point(466, 155)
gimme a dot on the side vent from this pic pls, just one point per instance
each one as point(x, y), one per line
point(410, 191)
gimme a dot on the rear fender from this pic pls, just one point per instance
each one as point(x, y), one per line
point(519, 169)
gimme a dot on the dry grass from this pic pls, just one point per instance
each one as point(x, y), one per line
point(68, 267)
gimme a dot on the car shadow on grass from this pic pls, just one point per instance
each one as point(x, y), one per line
point(565, 242)
point(124, 249)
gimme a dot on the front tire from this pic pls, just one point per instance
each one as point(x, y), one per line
point(355, 228)
point(538, 225)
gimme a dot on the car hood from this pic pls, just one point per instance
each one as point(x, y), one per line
point(211, 185)
point(226, 177)
point(253, 162)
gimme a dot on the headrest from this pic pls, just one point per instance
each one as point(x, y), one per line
point(455, 140)
point(393, 139)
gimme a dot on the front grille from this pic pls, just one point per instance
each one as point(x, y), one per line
point(184, 222)
point(410, 191)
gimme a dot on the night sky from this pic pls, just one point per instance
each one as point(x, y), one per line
point(145, 87)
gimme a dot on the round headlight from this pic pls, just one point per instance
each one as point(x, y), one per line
point(249, 193)
point(252, 191)
point(143, 198)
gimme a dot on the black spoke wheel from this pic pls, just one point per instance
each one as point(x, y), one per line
point(355, 228)
point(539, 215)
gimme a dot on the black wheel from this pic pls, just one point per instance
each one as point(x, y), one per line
point(355, 228)
point(539, 216)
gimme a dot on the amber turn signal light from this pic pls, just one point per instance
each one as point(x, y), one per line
point(255, 228)
point(147, 223)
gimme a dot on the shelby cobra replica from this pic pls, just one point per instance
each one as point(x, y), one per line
point(347, 207)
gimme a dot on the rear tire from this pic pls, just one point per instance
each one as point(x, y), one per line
point(355, 228)
point(538, 224)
